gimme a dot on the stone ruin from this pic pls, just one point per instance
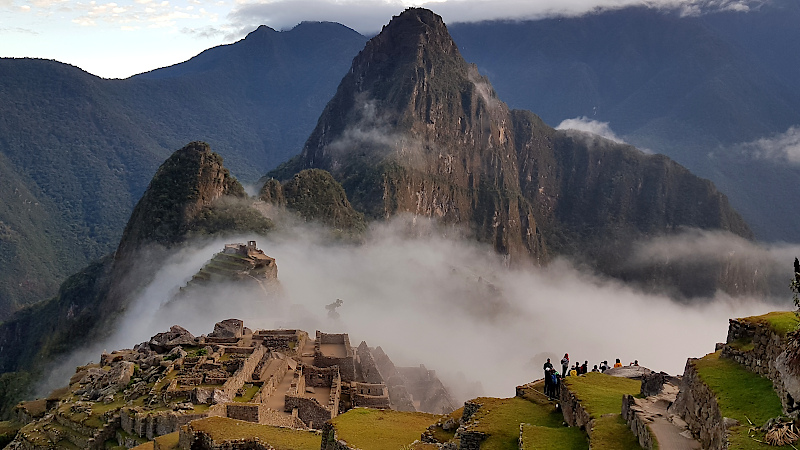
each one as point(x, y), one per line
point(272, 377)
point(239, 263)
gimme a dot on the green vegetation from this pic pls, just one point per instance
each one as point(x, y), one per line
point(380, 429)
point(8, 430)
point(743, 344)
point(740, 395)
point(222, 429)
point(562, 438)
point(781, 322)
point(601, 396)
point(600, 393)
point(316, 196)
point(612, 433)
point(168, 441)
point(249, 392)
point(499, 418)
point(230, 216)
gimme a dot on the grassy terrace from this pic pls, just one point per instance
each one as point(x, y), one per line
point(377, 429)
point(781, 322)
point(741, 395)
point(222, 429)
point(499, 418)
point(168, 441)
point(562, 438)
point(601, 396)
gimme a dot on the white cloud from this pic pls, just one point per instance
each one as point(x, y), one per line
point(369, 16)
point(449, 304)
point(781, 147)
point(588, 125)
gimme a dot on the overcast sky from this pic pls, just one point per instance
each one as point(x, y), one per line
point(119, 38)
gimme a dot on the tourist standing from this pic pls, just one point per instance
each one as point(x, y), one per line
point(565, 364)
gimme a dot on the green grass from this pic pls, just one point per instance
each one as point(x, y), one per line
point(601, 397)
point(743, 344)
point(536, 437)
point(377, 429)
point(168, 441)
point(248, 395)
point(8, 430)
point(781, 322)
point(612, 433)
point(499, 418)
point(600, 393)
point(740, 394)
point(224, 429)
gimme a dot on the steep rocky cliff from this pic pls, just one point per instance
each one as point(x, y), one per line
point(414, 128)
point(186, 183)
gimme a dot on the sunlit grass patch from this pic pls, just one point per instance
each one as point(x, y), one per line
point(600, 393)
point(223, 429)
point(168, 441)
point(536, 437)
point(611, 432)
point(781, 322)
point(377, 429)
point(741, 395)
point(500, 418)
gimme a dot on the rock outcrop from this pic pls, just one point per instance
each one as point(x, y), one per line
point(415, 129)
point(190, 180)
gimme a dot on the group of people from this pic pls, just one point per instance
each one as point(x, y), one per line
point(552, 378)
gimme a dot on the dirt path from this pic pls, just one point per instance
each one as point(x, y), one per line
point(670, 431)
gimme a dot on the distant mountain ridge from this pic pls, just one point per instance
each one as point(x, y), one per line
point(688, 87)
point(77, 151)
point(413, 128)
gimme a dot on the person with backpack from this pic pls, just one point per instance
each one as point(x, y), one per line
point(548, 381)
point(584, 368)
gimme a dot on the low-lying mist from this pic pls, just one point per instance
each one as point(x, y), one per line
point(448, 303)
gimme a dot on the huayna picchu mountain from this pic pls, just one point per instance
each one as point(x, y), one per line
point(191, 193)
point(415, 128)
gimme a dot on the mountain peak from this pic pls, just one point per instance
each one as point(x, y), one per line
point(187, 181)
point(261, 31)
point(415, 32)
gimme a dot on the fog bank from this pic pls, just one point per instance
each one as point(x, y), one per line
point(447, 303)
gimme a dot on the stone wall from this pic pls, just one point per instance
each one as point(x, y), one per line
point(198, 440)
point(249, 412)
point(367, 369)
point(369, 395)
point(698, 407)
point(238, 379)
point(309, 410)
point(636, 421)
point(573, 411)
point(653, 383)
point(149, 424)
point(347, 368)
point(760, 350)
point(320, 376)
point(330, 441)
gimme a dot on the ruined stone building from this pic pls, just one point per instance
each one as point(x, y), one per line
point(272, 377)
point(281, 378)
